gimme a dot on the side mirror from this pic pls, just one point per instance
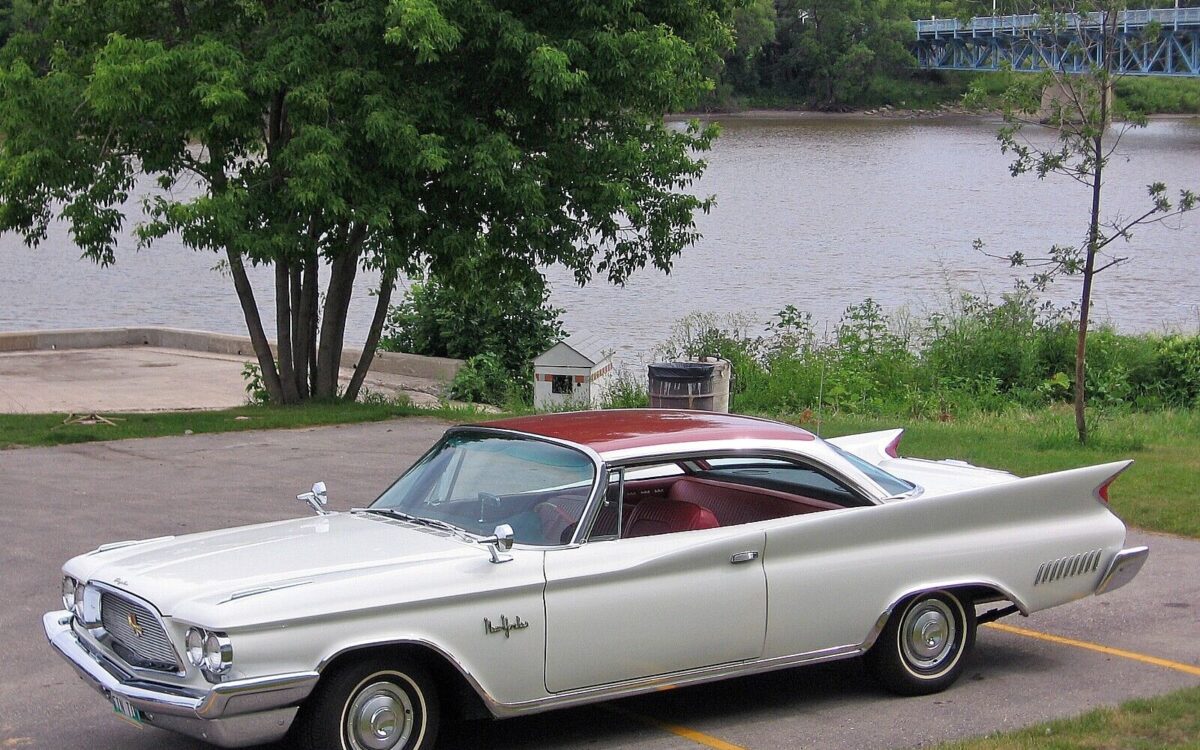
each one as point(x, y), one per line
point(500, 543)
point(317, 498)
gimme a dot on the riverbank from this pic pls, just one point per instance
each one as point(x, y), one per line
point(948, 113)
point(940, 94)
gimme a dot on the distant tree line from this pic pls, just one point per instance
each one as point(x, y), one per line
point(836, 54)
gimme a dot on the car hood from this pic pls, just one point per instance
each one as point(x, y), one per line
point(220, 566)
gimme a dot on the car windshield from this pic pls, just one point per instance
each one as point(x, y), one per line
point(477, 480)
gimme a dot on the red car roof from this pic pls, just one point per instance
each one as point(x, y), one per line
point(620, 429)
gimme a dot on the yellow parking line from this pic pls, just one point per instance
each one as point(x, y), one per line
point(699, 738)
point(1133, 655)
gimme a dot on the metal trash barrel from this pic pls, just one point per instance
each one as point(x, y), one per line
point(700, 385)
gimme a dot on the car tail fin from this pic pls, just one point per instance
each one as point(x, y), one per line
point(894, 446)
point(1102, 489)
point(871, 446)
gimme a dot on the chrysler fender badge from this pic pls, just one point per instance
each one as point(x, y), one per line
point(505, 626)
point(134, 625)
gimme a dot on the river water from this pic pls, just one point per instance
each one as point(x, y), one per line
point(815, 211)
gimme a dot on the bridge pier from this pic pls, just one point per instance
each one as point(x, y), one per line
point(1060, 100)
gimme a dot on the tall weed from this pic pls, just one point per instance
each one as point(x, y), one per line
point(976, 356)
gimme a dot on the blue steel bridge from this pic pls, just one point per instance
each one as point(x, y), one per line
point(1026, 43)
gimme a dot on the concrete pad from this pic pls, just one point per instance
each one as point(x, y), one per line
point(138, 379)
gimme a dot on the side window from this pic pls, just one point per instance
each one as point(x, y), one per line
point(608, 521)
point(784, 476)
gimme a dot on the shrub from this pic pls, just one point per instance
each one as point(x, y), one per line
point(483, 379)
point(1175, 373)
point(506, 318)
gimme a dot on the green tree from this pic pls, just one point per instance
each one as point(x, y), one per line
point(384, 134)
point(831, 50)
point(753, 28)
point(1079, 110)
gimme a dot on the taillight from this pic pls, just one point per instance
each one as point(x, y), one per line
point(1102, 490)
point(892, 446)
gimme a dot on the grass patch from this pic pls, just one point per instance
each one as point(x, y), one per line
point(1159, 492)
point(32, 430)
point(1169, 721)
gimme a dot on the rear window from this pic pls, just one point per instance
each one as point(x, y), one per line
point(891, 484)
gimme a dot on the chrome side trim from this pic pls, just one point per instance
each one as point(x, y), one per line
point(262, 590)
point(127, 543)
point(613, 690)
point(672, 680)
point(1124, 566)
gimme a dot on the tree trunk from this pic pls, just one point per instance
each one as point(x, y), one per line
point(311, 290)
point(1085, 298)
point(333, 318)
point(384, 298)
point(283, 332)
point(299, 328)
point(262, 348)
point(1093, 235)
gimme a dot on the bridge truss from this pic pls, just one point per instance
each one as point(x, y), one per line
point(1027, 43)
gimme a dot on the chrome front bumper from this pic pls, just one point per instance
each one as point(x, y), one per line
point(237, 713)
point(1124, 566)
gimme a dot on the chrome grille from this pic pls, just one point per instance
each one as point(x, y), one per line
point(151, 649)
point(1065, 567)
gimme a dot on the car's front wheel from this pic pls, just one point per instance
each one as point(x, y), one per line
point(372, 704)
point(922, 648)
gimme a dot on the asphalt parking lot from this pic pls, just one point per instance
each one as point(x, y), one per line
point(1139, 641)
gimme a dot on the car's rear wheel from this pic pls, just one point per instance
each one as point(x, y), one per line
point(924, 644)
point(373, 704)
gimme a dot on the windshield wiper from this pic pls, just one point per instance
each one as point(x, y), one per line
point(419, 520)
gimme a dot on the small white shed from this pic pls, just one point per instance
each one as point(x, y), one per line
point(571, 374)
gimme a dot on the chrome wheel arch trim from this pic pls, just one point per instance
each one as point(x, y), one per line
point(948, 586)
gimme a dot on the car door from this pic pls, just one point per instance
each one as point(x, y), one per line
point(623, 609)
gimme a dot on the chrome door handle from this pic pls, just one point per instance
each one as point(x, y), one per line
point(744, 557)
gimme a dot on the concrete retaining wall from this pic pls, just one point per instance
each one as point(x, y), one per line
point(411, 365)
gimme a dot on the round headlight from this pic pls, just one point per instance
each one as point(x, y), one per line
point(194, 644)
point(218, 654)
point(68, 592)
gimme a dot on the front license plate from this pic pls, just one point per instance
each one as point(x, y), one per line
point(126, 710)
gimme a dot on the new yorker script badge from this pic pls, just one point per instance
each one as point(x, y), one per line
point(505, 626)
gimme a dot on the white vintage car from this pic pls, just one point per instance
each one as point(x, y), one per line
point(549, 561)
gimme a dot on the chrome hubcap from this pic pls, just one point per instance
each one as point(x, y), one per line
point(380, 718)
point(927, 634)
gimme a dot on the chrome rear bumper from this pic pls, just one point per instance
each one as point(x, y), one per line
point(1124, 566)
point(237, 713)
